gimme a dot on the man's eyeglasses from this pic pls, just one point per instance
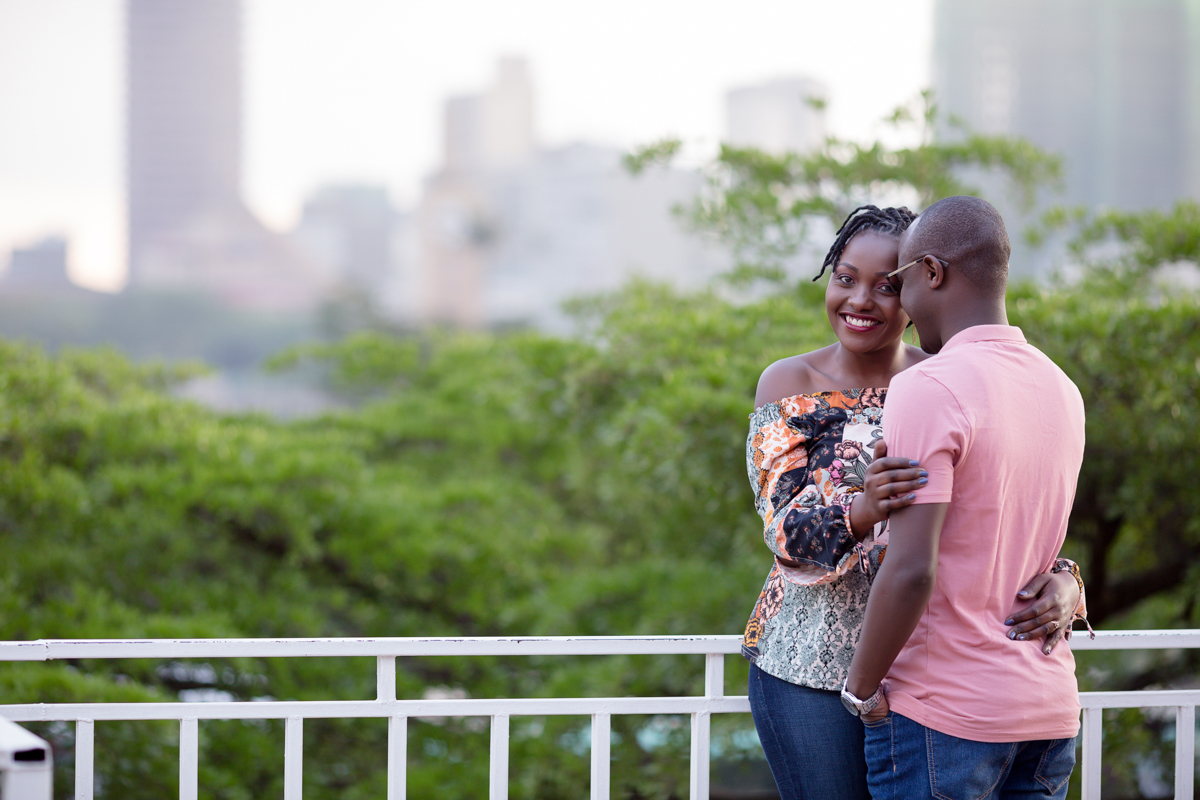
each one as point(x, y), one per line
point(896, 272)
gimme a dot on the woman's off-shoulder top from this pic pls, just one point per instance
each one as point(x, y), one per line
point(807, 456)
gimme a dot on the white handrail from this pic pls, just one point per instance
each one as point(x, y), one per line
point(600, 709)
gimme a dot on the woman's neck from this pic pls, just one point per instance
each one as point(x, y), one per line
point(874, 369)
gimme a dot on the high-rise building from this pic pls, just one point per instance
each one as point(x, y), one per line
point(508, 230)
point(784, 115)
point(183, 116)
point(39, 267)
point(188, 227)
point(1111, 85)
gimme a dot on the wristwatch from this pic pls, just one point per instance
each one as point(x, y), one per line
point(860, 708)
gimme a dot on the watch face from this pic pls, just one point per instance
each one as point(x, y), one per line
point(849, 704)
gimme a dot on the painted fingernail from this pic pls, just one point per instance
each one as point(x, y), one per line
point(1012, 634)
point(1046, 651)
point(913, 463)
point(1022, 637)
point(1009, 621)
point(912, 497)
point(923, 481)
point(1023, 592)
point(923, 474)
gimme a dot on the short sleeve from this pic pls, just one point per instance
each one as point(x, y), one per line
point(923, 421)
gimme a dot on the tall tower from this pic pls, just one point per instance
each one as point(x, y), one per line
point(183, 117)
point(1111, 85)
point(781, 116)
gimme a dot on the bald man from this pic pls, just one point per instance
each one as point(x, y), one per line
point(952, 708)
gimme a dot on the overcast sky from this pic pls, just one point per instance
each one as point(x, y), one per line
point(351, 90)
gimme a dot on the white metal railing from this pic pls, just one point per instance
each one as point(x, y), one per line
point(398, 711)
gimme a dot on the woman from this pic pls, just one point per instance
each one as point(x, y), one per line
point(823, 486)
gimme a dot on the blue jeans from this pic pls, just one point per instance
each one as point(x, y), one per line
point(814, 747)
point(907, 760)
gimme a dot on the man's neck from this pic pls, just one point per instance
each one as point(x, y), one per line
point(971, 315)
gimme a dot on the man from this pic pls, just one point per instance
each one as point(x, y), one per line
point(964, 712)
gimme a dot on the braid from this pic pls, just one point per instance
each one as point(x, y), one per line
point(888, 221)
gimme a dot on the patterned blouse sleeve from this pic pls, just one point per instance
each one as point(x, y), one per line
point(806, 521)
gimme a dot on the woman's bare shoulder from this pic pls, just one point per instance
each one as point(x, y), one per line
point(914, 355)
point(789, 377)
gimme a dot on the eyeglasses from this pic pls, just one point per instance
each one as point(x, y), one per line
point(896, 272)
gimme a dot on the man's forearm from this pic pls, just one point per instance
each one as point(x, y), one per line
point(899, 595)
point(893, 611)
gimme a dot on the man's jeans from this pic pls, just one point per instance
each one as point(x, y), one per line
point(906, 760)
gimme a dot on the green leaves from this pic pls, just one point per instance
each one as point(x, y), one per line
point(762, 205)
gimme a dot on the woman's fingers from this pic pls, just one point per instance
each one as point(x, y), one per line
point(1038, 632)
point(1035, 586)
point(900, 501)
point(898, 487)
point(1028, 618)
point(889, 464)
point(1053, 639)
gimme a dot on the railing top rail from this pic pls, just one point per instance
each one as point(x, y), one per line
point(53, 649)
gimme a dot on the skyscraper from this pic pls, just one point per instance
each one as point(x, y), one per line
point(189, 230)
point(183, 116)
point(1111, 85)
point(784, 115)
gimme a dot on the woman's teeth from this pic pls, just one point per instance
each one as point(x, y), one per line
point(860, 322)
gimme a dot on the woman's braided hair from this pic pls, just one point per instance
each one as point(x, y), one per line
point(888, 221)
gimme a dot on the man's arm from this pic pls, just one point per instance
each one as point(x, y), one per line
point(899, 594)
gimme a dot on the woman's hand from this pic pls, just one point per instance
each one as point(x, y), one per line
point(888, 485)
point(1056, 595)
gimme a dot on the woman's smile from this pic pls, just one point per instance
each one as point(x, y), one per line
point(857, 323)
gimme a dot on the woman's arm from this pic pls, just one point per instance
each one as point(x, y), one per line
point(1059, 601)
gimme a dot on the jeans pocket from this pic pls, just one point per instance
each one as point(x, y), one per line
point(1057, 762)
point(879, 723)
point(963, 769)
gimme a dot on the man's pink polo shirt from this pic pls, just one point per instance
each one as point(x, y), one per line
point(999, 427)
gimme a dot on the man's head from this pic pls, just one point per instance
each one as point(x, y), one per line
point(961, 251)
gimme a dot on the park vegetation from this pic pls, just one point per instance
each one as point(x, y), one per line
point(516, 483)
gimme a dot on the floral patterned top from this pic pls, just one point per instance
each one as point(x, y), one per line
point(807, 457)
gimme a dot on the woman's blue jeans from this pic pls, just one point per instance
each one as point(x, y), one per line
point(814, 746)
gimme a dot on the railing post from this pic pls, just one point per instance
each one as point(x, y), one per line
point(385, 678)
point(189, 759)
point(714, 676)
point(714, 689)
point(1093, 733)
point(700, 746)
point(1185, 751)
point(397, 780)
point(293, 759)
point(85, 756)
point(498, 783)
point(601, 756)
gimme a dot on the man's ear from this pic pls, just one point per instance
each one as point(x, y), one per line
point(934, 272)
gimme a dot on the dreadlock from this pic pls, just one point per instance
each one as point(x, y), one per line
point(888, 221)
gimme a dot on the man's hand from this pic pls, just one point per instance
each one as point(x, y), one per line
point(1057, 595)
point(888, 486)
point(878, 712)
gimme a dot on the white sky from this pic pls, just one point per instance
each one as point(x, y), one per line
point(351, 90)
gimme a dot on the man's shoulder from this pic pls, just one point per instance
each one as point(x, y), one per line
point(924, 378)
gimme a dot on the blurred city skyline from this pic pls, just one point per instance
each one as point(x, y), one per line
point(354, 92)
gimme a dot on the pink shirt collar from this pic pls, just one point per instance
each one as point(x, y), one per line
point(985, 333)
